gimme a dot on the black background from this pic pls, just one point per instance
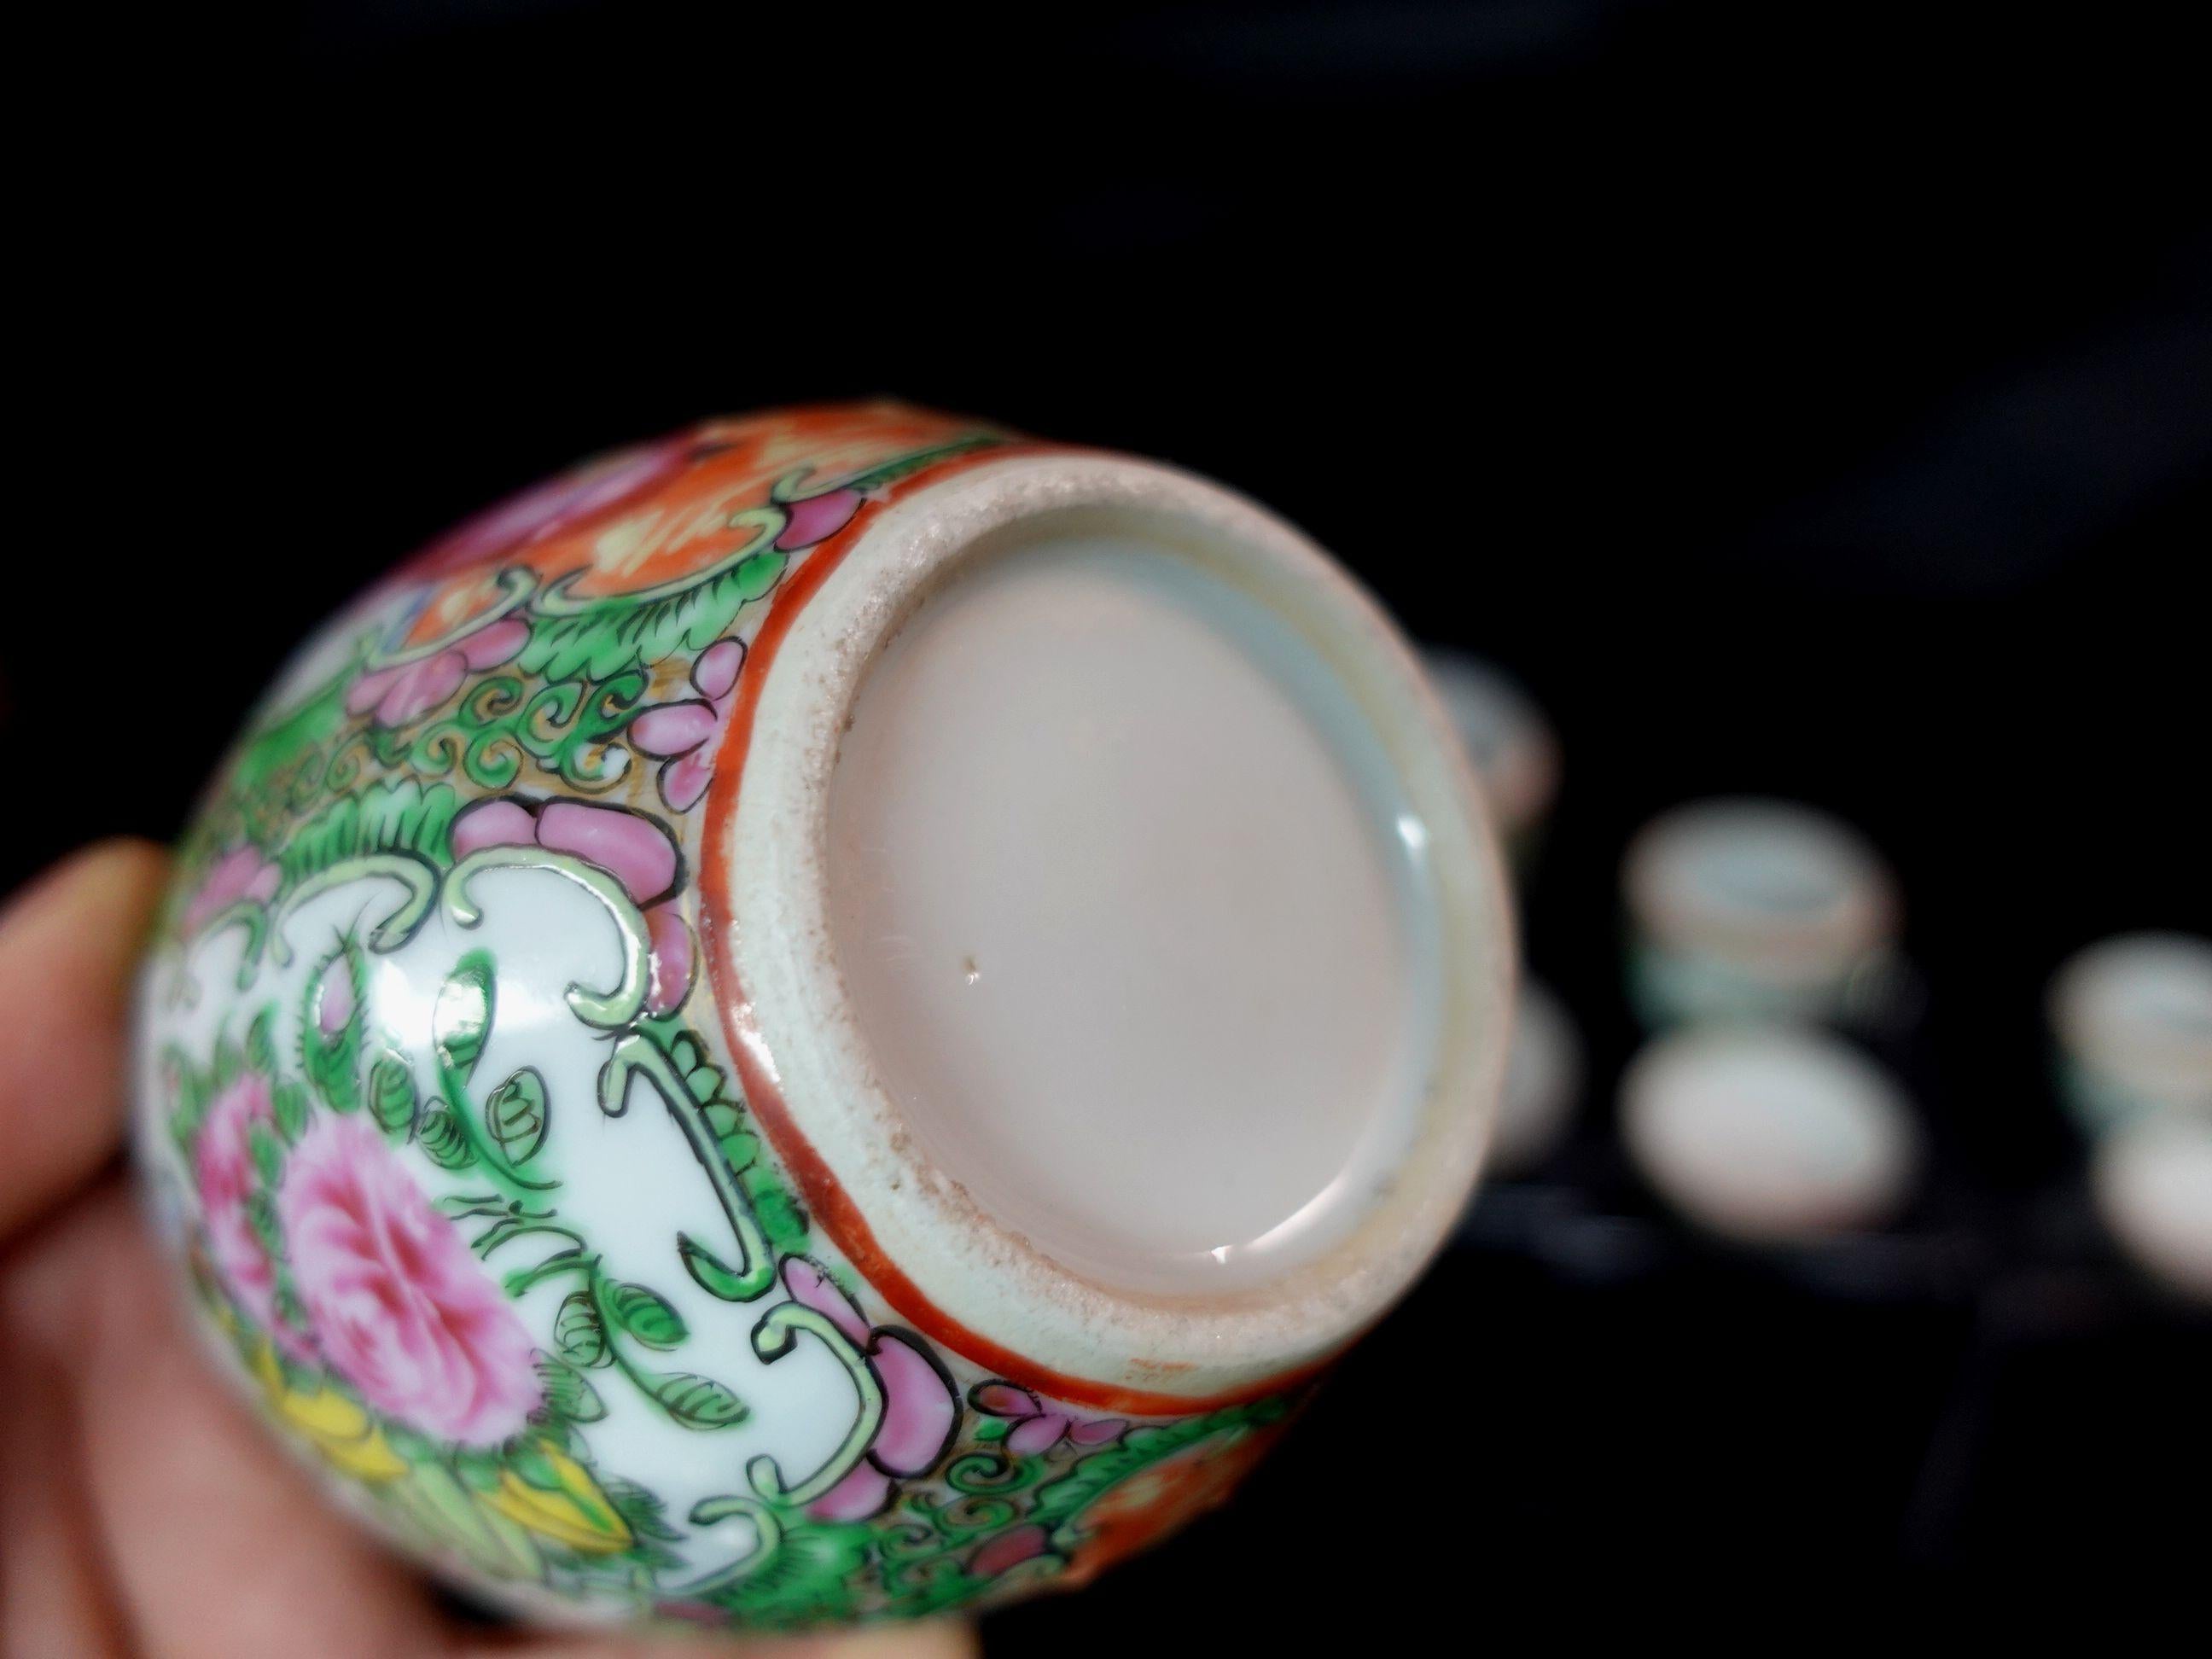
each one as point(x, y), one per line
point(1811, 399)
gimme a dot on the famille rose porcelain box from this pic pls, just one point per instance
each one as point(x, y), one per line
point(831, 1016)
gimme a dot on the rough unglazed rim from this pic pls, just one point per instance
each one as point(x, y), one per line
point(942, 1262)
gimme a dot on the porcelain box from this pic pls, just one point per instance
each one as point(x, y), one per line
point(833, 1016)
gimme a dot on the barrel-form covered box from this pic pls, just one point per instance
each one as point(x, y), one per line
point(829, 1017)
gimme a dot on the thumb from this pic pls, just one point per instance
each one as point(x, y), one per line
point(68, 945)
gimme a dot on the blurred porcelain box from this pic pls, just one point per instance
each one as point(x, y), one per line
point(1760, 909)
point(1771, 1135)
point(829, 1016)
point(2132, 1019)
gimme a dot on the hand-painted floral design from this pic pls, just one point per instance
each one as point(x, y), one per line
point(389, 1143)
point(241, 875)
point(629, 846)
point(1031, 1426)
point(347, 1437)
point(683, 736)
point(396, 1304)
point(922, 1408)
point(816, 519)
point(406, 692)
point(571, 1508)
point(223, 1164)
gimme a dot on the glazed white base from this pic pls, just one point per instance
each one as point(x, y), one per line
point(1126, 917)
point(801, 1024)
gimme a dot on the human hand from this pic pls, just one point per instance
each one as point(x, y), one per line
point(142, 1510)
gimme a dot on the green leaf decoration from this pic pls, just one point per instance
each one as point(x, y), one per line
point(440, 1506)
point(577, 1330)
point(268, 1152)
point(392, 1100)
point(261, 1216)
point(810, 1577)
point(602, 638)
point(462, 1019)
point(712, 1275)
point(229, 1065)
point(289, 1101)
point(461, 1206)
point(642, 1510)
point(515, 1114)
point(780, 1218)
point(401, 816)
point(194, 1092)
point(285, 743)
point(777, 1211)
point(533, 1468)
point(479, 1468)
point(645, 1315)
point(332, 1062)
point(444, 1139)
point(698, 1402)
point(290, 1309)
point(260, 1046)
point(568, 1394)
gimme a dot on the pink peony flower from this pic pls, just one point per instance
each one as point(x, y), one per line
point(223, 1169)
point(408, 691)
point(240, 873)
point(1036, 1428)
point(629, 846)
point(400, 1308)
point(684, 735)
point(921, 1409)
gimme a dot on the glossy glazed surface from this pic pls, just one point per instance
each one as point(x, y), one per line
point(1173, 902)
point(457, 1136)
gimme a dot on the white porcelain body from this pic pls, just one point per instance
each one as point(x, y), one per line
point(500, 1086)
